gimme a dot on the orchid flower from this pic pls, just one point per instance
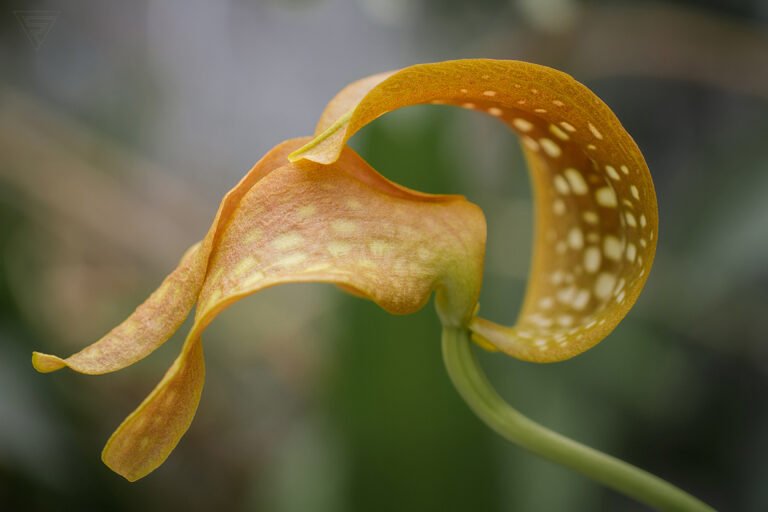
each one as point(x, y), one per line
point(313, 210)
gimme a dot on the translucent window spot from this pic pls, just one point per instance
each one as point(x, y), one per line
point(550, 147)
point(612, 172)
point(604, 285)
point(576, 180)
point(522, 124)
point(561, 185)
point(612, 247)
point(558, 132)
point(605, 196)
point(287, 241)
point(595, 131)
point(592, 259)
point(576, 238)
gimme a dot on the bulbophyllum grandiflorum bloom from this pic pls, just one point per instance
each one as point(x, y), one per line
point(286, 222)
point(313, 210)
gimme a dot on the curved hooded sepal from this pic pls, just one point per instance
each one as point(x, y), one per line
point(595, 206)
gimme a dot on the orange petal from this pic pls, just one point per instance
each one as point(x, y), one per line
point(147, 328)
point(162, 313)
point(596, 216)
point(342, 224)
point(146, 437)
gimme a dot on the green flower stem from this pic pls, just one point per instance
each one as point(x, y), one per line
point(477, 391)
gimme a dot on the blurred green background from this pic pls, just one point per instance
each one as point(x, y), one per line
point(121, 129)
